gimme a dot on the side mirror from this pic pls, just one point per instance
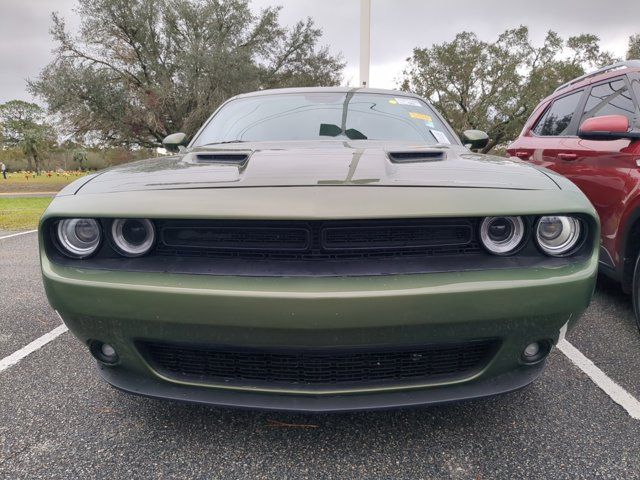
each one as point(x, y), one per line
point(475, 139)
point(174, 141)
point(606, 127)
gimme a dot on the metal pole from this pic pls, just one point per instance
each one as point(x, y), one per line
point(365, 41)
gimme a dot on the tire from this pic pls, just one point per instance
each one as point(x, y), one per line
point(635, 291)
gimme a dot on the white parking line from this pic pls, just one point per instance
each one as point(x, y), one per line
point(16, 234)
point(38, 343)
point(611, 388)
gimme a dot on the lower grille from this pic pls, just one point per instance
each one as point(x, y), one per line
point(317, 368)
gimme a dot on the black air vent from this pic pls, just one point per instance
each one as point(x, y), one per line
point(317, 368)
point(416, 156)
point(228, 158)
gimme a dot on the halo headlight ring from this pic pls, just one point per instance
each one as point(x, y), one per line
point(559, 235)
point(133, 237)
point(502, 235)
point(78, 237)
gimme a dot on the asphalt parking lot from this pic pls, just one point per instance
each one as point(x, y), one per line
point(59, 420)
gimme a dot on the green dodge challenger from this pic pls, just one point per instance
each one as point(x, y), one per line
point(321, 249)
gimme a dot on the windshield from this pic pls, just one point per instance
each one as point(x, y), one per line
point(320, 115)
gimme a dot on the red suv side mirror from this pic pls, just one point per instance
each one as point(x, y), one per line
point(607, 127)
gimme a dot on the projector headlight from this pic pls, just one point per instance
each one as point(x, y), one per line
point(133, 237)
point(558, 235)
point(78, 237)
point(502, 235)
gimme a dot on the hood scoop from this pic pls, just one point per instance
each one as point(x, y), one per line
point(416, 156)
point(222, 158)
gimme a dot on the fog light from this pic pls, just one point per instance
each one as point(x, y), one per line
point(532, 350)
point(536, 351)
point(107, 350)
point(103, 352)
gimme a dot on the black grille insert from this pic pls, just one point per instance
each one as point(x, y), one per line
point(318, 240)
point(396, 236)
point(321, 368)
point(237, 238)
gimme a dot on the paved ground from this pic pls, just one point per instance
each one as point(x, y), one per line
point(58, 420)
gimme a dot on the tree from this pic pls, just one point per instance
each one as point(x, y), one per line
point(495, 86)
point(633, 53)
point(24, 125)
point(80, 157)
point(141, 69)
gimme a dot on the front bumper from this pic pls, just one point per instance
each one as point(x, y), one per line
point(148, 386)
point(515, 306)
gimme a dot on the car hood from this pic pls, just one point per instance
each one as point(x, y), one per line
point(318, 163)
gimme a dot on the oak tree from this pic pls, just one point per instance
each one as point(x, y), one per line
point(138, 70)
point(24, 125)
point(494, 86)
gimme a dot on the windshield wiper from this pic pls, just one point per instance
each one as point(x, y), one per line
point(226, 141)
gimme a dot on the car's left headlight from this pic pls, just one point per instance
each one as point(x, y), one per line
point(558, 235)
point(502, 235)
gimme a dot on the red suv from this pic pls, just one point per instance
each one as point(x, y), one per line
point(589, 131)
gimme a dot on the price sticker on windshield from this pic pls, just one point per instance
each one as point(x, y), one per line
point(408, 101)
point(440, 136)
point(421, 116)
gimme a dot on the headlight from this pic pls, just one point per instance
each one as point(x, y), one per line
point(558, 236)
point(133, 237)
point(79, 237)
point(502, 235)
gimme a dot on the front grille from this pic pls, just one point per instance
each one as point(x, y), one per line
point(321, 368)
point(318, 240)
point(236, 238)
point(395, 237)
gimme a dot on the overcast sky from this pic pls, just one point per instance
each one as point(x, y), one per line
point(397, 27)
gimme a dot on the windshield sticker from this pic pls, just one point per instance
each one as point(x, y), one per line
point(421, 116)
point(409, 101)
point(393, 101)
point(440, 136)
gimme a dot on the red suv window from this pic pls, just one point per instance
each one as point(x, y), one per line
point(611, 98)
point(555, 122)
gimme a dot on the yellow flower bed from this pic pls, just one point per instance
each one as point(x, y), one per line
point(25, 181)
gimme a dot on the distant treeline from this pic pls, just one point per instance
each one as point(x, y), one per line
point(72, 159)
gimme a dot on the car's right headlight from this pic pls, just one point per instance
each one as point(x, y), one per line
point(133, 237)
point(558, 235)
point(79, 237)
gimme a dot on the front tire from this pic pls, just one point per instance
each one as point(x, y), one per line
point(635, 291)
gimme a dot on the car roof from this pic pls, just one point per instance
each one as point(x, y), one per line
point(276, 91)
point(604, 73)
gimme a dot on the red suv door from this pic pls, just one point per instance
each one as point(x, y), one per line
point(601, 169)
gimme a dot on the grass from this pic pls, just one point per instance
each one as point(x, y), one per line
point(21, 213)
point(18, 182)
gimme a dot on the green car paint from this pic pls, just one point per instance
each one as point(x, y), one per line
point(321, 179)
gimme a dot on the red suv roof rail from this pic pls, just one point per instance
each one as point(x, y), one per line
point(608, 68)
